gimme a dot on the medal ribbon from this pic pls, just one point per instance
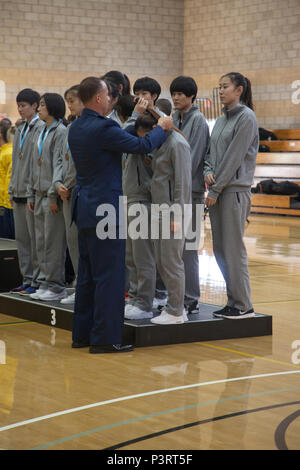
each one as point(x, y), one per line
point(25, 130)
point(43, 136)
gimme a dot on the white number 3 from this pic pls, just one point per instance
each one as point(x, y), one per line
point(53, 317)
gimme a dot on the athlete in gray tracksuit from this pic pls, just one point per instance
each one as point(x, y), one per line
point(140, 259)
point(25, 140)
point(232, 159)
point(67, 177)
point(170, 185)
point(49, 227)
point(194, 127)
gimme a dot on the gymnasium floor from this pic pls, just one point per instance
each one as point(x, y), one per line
point(229, 394)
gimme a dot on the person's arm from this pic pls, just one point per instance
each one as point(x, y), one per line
point(58, 142)
point(234, 155)
point(116, 139)
point(181, 161)
point(198, 141)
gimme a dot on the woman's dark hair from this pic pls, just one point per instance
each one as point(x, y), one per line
point(147, 84)
point(239, 80)
point(28, 96)
point(55, 105)
point(125, 106)
point(113, 88)
point(5, 125)
point(73, 90)
point(185, 85)
point(89, 87)
point(118, 78)
point(146, 121)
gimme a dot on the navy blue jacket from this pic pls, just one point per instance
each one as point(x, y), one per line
point(96, 144)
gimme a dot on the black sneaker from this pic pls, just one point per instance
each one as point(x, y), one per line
point(220, 313)
point(236, 314)
point(192, 308)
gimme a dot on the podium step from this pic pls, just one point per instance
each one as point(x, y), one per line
point(202, 326)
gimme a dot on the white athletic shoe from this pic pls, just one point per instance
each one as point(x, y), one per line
point(49, 295)
point(166, 318)
point(36, 295)
point(68, 300)
point(135, 313)
point(185, 315)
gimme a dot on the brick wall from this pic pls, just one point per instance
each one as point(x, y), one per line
point(50, 45)
point(259, 38)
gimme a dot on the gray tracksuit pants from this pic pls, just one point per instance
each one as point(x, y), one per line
point(50, 244)
point(168, 255)
point(228, 218)
point(71, 234)
point(140, 262)
point(190, 257)
point(25, 238)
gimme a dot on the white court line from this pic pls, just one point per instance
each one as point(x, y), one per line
point(139, 395)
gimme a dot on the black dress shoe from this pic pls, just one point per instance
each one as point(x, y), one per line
point(78, 344)
point(111, 348)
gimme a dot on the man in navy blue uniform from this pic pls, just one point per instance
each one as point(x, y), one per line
point(96, 144)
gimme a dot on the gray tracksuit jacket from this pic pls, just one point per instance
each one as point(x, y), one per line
point(233, 149)
point(21, 158)
point(171, 164)
point(136, 176)
point(67, 176)
point(136, 179)
point(195, 129)
point(47, 168)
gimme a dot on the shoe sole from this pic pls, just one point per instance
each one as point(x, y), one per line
point(141, 317)
point(239, 317)
point(168, 323)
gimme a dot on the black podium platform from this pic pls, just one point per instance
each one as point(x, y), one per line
point(141, 333)
point(10, 275)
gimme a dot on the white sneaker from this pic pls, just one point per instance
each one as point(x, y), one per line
point(36, 295)
point(135, 313)
point(49, 295)
point(68, 300)
point(128, 308)
point(157, 302)
point(185, 316)
point(166, 318)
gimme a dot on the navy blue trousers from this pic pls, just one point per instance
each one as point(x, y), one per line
point(99, 299)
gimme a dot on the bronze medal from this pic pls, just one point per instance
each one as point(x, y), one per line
point(67, 156)
point(20, 155)
point(39, 161)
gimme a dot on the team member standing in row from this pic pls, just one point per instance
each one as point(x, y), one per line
point(193, 125)
point(229, 171)
point(25, 141)
point(65, 184)
point(44, 201)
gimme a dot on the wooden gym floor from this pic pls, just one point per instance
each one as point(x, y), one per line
point(229, 394)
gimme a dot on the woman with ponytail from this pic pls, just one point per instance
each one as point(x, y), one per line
point(229, 170)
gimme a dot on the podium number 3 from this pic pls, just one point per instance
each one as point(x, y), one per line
point(53, 317)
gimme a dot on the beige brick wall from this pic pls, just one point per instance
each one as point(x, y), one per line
point(52, 44)
point(259, 38)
